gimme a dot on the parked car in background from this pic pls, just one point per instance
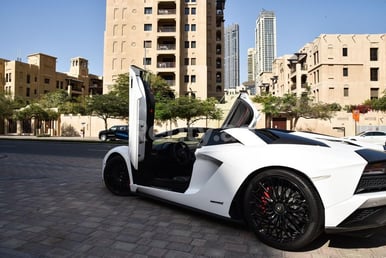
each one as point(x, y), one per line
point(376, 137)
point(116, 132)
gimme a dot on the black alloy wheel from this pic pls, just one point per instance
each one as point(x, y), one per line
point(283, 209)
point(116, 176)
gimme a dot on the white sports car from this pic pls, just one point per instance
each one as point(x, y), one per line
point(288, 187)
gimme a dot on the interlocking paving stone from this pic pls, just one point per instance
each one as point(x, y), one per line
point(58, 207)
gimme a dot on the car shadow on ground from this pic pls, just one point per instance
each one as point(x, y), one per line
point(354, 240)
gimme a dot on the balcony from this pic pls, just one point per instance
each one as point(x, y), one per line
point(303, 68)
point(303, 86)
point(166, 64)
point(166, 47)
point(166, 11)
point(167, 8)
point(169, 77)
point(167, 28)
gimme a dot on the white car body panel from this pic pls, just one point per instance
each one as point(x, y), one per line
point(137, 114)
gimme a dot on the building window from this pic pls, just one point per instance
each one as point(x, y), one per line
point(345, 92)
point(186, 27)
point(373, 54)
point(28, 78)
point(193, 61)
point(147, 44)
point(27, 93)
point(148, 27)
point(8, 77)
point(193, 10)
point(148, 10)
point(193, 27)
point(186, 61)
point(344, 51)
point(186, 11)
point(193, 44)
point(193, 78)
point(218, 49)
point(147, 61)
point(374, 74)
point(218, 77)
point(374, 93)
point(316, 57)
point(317, 76)
point(46, 81)
point(186, 44)
point(186, 78)
point(345, 71)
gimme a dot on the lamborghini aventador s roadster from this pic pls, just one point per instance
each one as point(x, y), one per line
point(287, 186)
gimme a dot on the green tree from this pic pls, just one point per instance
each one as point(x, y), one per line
point(107, 106)
point(296, 107)
point(32, 111)
point(378, 104)
point(54, 99)
point(6, 107)
point(65, 104)
point(210, 110)
point(192, 109)
point(121, 86)
point(159, 86)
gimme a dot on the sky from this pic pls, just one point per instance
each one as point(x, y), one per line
point(75, 28)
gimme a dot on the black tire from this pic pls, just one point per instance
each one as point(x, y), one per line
point(103, 137)
point(116, 176)
point(283, 209)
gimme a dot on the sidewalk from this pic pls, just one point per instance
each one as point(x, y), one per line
point(56, 138)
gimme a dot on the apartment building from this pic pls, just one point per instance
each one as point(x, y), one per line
point(342, 68)
point(181, 41)
point(38, 76)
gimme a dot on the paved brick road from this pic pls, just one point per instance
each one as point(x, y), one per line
point(58, 207)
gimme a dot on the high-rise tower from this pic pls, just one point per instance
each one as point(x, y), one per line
point(265, 42)
point(231, 59)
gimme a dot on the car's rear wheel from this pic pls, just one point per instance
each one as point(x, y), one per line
point(283, 209)
point(116, 176)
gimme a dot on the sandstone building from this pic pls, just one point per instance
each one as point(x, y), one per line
point(181, 41)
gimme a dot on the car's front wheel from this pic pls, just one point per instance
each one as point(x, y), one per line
point(283, 209)
point(103, 137)
point(116, 176)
